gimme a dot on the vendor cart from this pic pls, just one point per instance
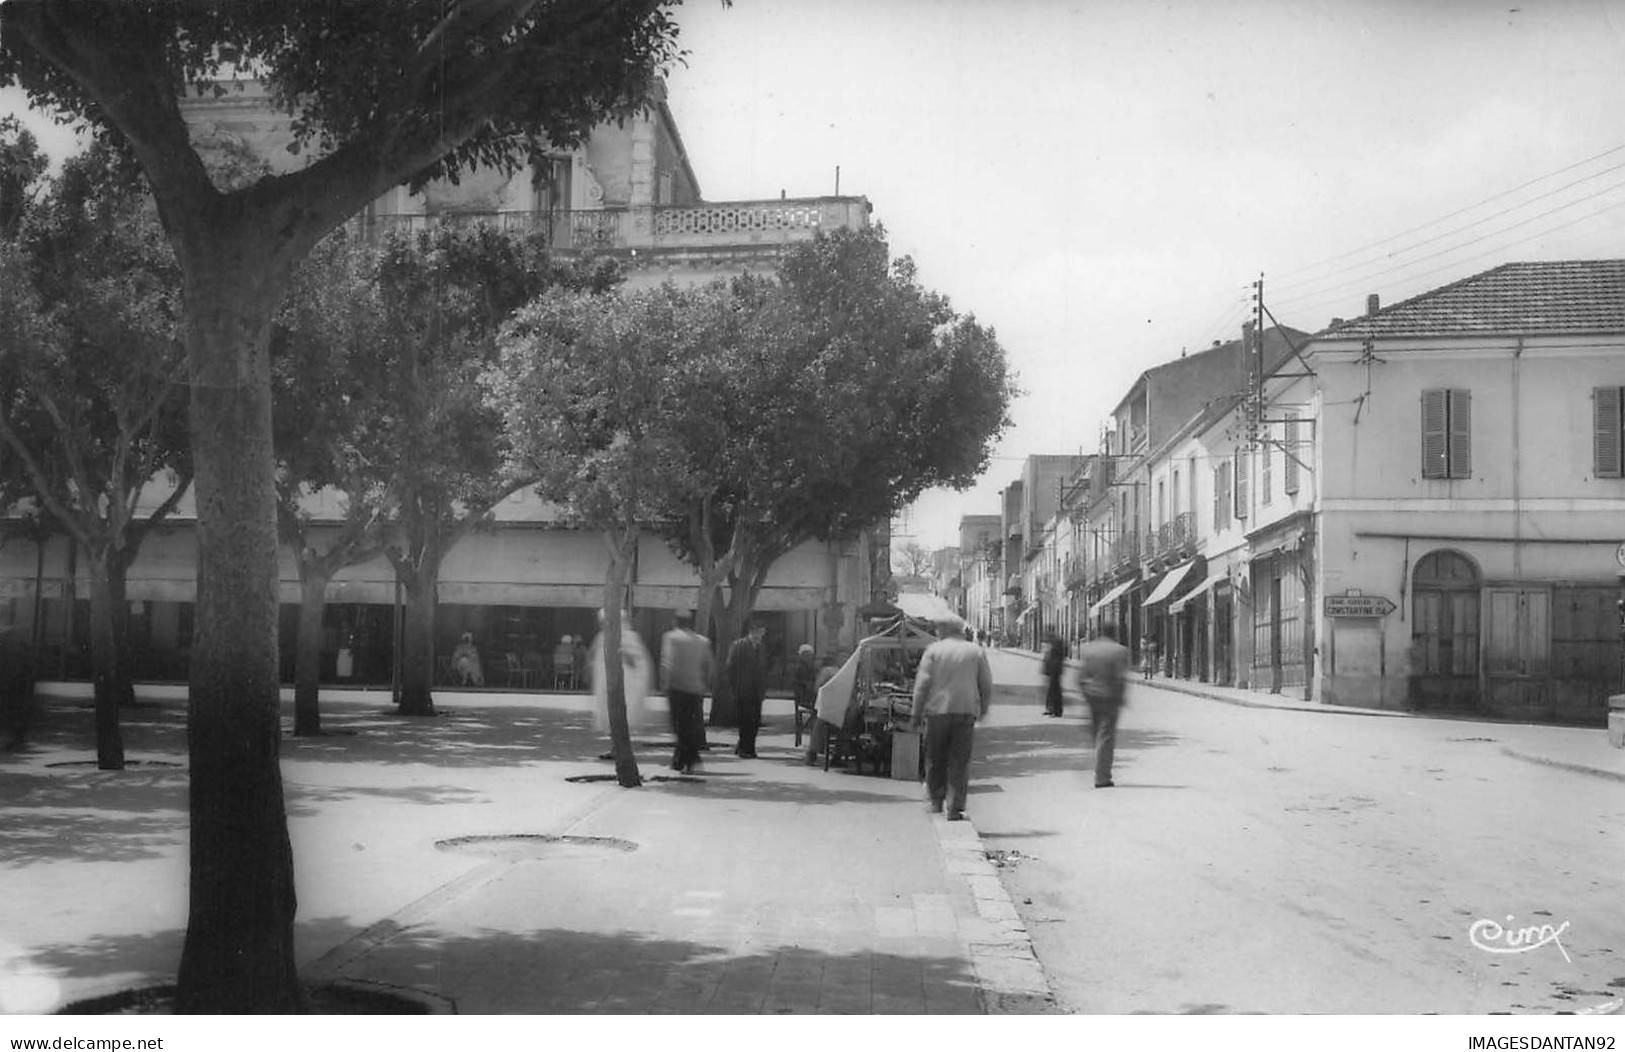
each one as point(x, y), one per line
point(869, 702)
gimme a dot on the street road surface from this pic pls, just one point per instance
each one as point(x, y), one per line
point(1258, 860)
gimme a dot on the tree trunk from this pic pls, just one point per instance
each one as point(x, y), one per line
point(118, 569)
point(104, 659)
point(417, 656)
point(238, 956)
point(620, 734)
point(307, 668)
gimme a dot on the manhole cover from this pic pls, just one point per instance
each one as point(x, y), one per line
point(127, 763)
point(519, 846)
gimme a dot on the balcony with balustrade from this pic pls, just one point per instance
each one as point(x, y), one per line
point(725, 231)
point(1173, 541)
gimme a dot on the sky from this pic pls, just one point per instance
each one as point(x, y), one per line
point(1102, 181)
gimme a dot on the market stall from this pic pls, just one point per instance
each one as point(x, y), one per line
point(869, 702)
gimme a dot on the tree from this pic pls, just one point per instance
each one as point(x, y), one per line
point(386, 93)
point(854, 391)
point(93, 415)
point(912, 560)
point(595, 391)
point(21, 168)
point(437, 444)
point(326, 408)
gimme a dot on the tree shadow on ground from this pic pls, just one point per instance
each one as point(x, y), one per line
point(53, 815)
point(464, 737)
point(764, 788)
point(554, 971)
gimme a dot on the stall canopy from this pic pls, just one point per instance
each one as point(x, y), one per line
point(1179, 604)
point(1110, 596)
point(859, 674)
point(1169, 582)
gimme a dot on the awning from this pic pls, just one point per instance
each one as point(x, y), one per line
point(1169, 582)
point(1023, 615)
point(1179, 604)
point(1111, 595)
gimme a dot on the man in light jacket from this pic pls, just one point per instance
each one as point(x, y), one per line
point(685, 672)
point(952, 690)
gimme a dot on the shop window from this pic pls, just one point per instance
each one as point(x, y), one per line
point(1447, 433)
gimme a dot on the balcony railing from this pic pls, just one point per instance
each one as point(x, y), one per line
point(710, 226)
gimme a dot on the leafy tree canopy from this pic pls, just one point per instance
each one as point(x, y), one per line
point(359, 75)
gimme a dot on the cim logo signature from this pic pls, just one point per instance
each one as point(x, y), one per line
point(1491, 937)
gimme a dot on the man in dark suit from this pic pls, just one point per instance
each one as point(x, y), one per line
point(747, 678)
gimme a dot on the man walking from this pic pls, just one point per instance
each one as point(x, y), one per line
point(747, 678)
point(952, 690)
point(685, 671)
point(1102, 677)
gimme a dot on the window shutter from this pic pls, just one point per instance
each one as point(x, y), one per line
point(1461, 434)
point(1605, 417)
point(1265, 456)
point(1434, 465)
point(1289, 465)
point(1218, 497)
point(1241, 484)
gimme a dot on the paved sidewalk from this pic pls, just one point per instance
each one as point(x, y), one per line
point(758, 886)
point(1584, 750)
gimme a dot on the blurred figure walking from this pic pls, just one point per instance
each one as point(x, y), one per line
point(1103, 668)
point(686, 667)
point(1054, 668)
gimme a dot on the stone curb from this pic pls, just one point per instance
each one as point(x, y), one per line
point(1008, 974)
point(1565, 765)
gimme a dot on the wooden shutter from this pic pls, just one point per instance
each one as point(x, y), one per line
point(1605, 428)
point(1264, 465)
point(1535, 631)
point(1461, 434)
point(1434, 435)
point(1241, 483)
point(1503, 656)
point(1220, 498)
point(1289, 466)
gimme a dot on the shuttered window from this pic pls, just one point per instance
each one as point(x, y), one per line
point(1266, 484)
point(1221, 496)
point(1241, 484)
point(1447, 428)
point(1606, 427)
point(1289, 465)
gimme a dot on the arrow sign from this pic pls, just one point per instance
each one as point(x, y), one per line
point(1358, 606)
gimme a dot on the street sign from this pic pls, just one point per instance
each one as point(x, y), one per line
point(1358, 606)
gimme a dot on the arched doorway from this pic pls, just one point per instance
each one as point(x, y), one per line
point(1444, 632)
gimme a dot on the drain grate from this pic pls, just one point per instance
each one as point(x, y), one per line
point(530, 846)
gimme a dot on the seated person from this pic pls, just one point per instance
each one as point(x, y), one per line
point(465, 663)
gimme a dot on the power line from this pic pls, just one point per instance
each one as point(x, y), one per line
point(1461, 211)
point(1308, 297)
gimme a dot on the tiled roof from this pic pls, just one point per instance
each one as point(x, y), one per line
point(1576, 296)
